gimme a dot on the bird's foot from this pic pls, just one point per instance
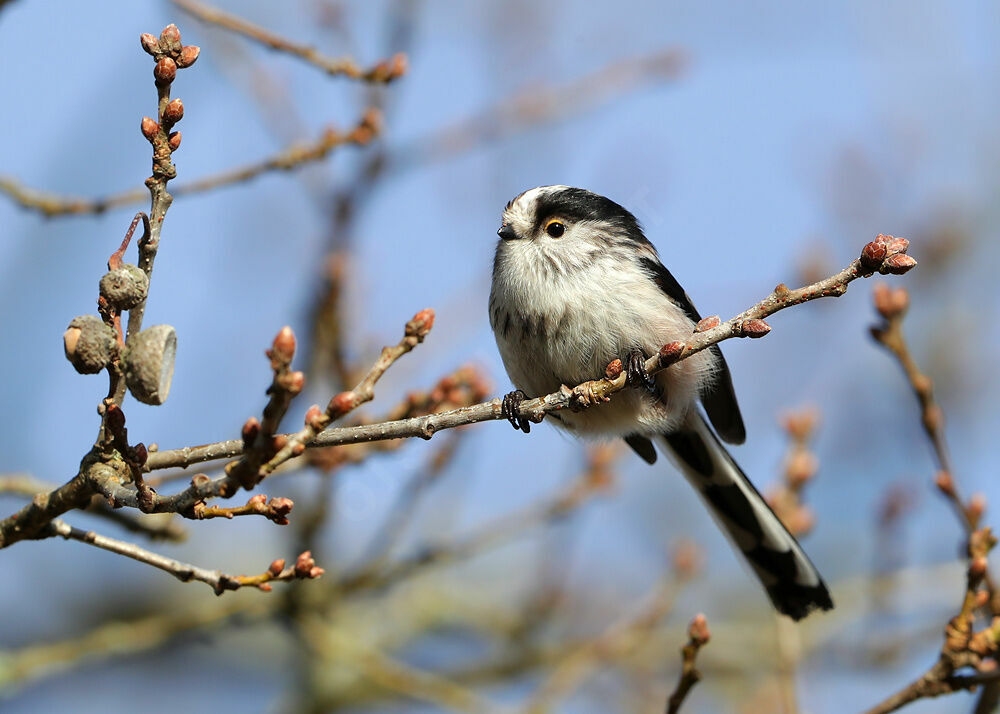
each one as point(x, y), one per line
point(635, 371)
point(511, 405)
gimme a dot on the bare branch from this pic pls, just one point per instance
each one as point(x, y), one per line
point(698, 637)
point(54, 205)
point(305, 567)
point(382, 73)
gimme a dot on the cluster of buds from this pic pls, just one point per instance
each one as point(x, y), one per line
point(281, 354)
point(170, 55)
point(388, 70)
point(114, 422)
point(420, 326)
point(800, 466)
point(891, 303)
point(887, 255)
point(305, 568)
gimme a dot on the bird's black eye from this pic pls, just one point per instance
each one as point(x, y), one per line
point(555, 228)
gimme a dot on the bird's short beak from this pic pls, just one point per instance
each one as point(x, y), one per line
point(507, 232)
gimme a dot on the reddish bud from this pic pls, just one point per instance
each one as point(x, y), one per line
point(801, 466)
point(891, 303)
point(281, 506)
point(256, 500)
point(251, 428)
point(923, 384)
point(149, 128)
point(283, 348)
point(278, 443)
point(296, 382)
point(800, 521)
point(781, 290)
point(315, 572)
point(976, 507)
point(170, 38)
point(707, 323)
point(139, 453)
point(977, 566)
point(174, 140)
point(149, 43)
point(896, 245)
point(304, 564)
point(800, 424)
point(945, 483)
point(276, 567)
point(173, 112)
point(340, 404)
point(397, 65)
point(698, 629)
point(188, 56)
point(314, 418)
point(613, 370)
point(670, 352)
point(752, 328)
point(873, 255)
point(199, 481)
point(114, 418)
point(266, 587)
point(165, 71)
point(897, 264)
point(421, 324)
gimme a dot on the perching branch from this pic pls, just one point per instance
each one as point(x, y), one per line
point(885, 255)
point(876, 257)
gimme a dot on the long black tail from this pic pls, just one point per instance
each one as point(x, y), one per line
point(792, 582)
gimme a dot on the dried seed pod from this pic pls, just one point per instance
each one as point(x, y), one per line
point(149, 364)
point(90, 344)
point(125, 287)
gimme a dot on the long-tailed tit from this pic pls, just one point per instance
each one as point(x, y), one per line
point(576, 285)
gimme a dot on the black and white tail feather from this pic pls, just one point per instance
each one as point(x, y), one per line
point(576, 285)
point(791, 580)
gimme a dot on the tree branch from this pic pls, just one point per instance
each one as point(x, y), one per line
point(305, 567)
point(382, 73)
point(748, 323)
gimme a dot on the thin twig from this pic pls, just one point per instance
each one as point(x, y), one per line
point(382, 73)
point(54, 205)
point(698, 637)
point(185, 572)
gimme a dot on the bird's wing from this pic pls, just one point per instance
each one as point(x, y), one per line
point(720, 399)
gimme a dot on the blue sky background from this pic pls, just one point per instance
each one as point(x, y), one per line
point(796, 131)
